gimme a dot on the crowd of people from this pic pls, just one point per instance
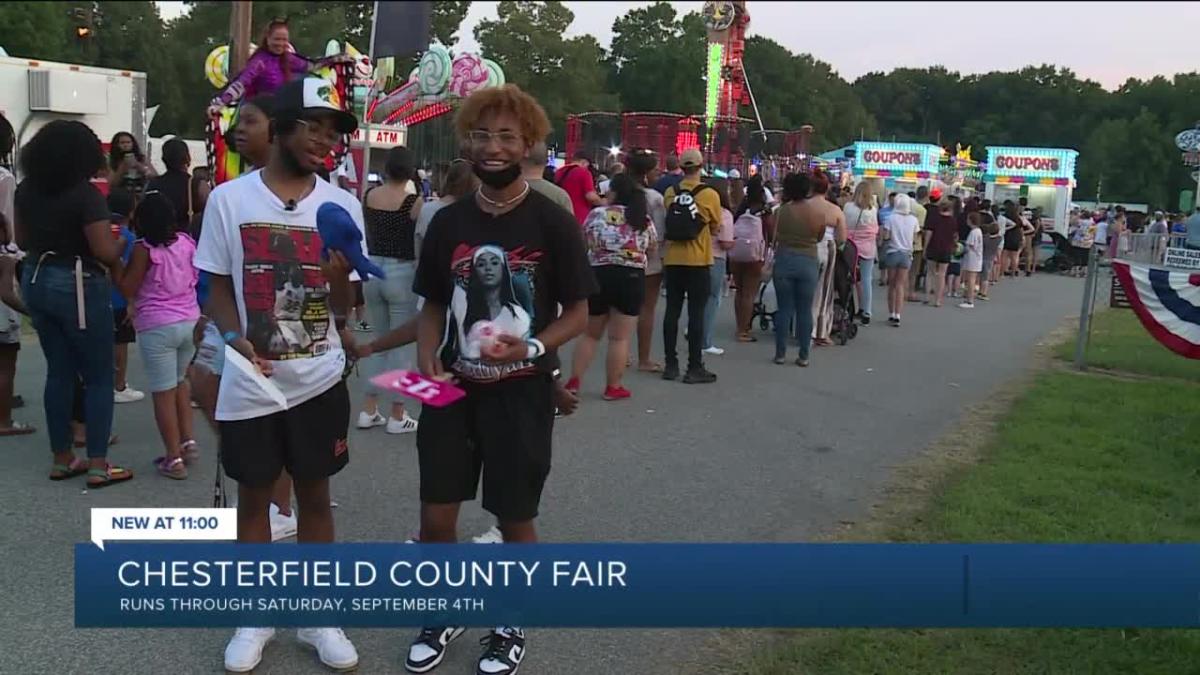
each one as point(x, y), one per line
point(484, 279)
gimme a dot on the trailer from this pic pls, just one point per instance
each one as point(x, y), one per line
point(34, 93)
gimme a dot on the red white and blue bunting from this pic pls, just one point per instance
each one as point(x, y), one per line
point(1167, 301)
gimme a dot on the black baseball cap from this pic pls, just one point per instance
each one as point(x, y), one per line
point(312, 94)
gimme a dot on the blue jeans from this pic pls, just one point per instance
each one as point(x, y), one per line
point(72, 353)
point(390, 304)
point(795, 278)
point(716, 283)
point(866, 269)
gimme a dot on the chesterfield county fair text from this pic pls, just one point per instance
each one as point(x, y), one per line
point(360, 574)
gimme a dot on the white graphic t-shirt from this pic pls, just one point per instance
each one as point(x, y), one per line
point(273, 255)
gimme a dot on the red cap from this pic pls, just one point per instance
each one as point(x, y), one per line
point(935, 194)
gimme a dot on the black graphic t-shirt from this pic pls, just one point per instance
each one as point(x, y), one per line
point(502, 274)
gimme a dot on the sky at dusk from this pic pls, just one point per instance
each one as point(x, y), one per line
point(1103, 41)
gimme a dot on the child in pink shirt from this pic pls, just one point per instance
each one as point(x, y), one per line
point(160, 282)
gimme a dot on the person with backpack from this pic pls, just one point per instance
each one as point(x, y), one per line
point(693, 213)
point(863, 223)
point(576, 179)
point(752, 229)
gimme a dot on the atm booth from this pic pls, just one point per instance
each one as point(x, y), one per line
point(1044, 176)
point(896, 167)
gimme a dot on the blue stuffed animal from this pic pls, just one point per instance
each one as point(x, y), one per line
point(340, 233)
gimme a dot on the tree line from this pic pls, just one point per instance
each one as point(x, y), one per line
point(655, 62)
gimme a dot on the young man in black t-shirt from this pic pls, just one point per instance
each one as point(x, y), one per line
point(494, 268)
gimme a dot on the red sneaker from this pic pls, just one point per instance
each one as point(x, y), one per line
point(572, 385)
point(616, 393)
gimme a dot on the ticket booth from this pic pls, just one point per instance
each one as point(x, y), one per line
point(896, 167)
point(1044, 176)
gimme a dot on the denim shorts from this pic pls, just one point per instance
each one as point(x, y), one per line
point(166, 353)
point(897, 260)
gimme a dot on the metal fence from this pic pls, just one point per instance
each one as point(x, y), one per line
point(1147, 248)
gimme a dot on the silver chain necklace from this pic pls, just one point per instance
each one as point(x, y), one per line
point(500, 205)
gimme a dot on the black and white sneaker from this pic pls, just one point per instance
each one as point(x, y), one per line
point(427, 651)
point(505, 648)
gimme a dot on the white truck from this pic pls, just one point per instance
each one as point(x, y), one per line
point(34, 93)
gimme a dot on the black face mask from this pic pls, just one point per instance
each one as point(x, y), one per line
point(498, 180)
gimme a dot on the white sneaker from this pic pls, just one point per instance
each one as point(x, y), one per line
point(245, 648)
point(366, 421)
point(282, 526)
point(967, 305)
point(404, 425)
point(333, 647)
point(715, 351)
point(492, 536)
point(127, 395)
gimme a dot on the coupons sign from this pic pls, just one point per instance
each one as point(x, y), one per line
point(1032, 162)
point(896, 158)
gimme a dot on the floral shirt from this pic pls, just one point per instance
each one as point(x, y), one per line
point(611, 241)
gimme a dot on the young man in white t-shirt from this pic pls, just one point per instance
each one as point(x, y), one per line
point(281, 307)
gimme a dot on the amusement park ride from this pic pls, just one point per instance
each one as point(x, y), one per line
point(729, 141)
point(411, 112)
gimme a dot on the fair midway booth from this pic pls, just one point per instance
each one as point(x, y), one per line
point(1044, 176)
point(899, 167)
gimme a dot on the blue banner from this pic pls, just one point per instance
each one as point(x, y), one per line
point(637, 585)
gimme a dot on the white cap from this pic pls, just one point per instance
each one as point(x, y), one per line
point(734, 174)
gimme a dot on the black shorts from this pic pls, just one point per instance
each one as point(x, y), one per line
point(934, 257)
point(503, 428)
point(123, 332)
point(621, 288)
point(309, 440)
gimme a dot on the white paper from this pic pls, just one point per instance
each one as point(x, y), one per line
point(234, 358)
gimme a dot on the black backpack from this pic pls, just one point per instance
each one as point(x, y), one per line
point(683, 221)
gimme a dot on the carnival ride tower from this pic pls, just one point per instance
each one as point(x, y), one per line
point(725, 77)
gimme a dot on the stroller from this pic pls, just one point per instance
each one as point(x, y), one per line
point(1065, 257)
point(845, 277)
point(764, 305)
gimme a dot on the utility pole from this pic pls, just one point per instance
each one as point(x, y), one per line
point(240, 17)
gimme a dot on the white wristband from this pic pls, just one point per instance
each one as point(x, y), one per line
point(536, 348)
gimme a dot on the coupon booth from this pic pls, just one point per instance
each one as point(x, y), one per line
point(896, 167)
point(1044, 176)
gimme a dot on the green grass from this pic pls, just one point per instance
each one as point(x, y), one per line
point(1120, 342)
point(1080, 458)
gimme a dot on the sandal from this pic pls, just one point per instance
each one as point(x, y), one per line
point(650, 367)
point(17, 429)
point(746, 337)
point(110, 475)
point(112, 440)
point(173, 468)
point(77, 467)
point(190, 452)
